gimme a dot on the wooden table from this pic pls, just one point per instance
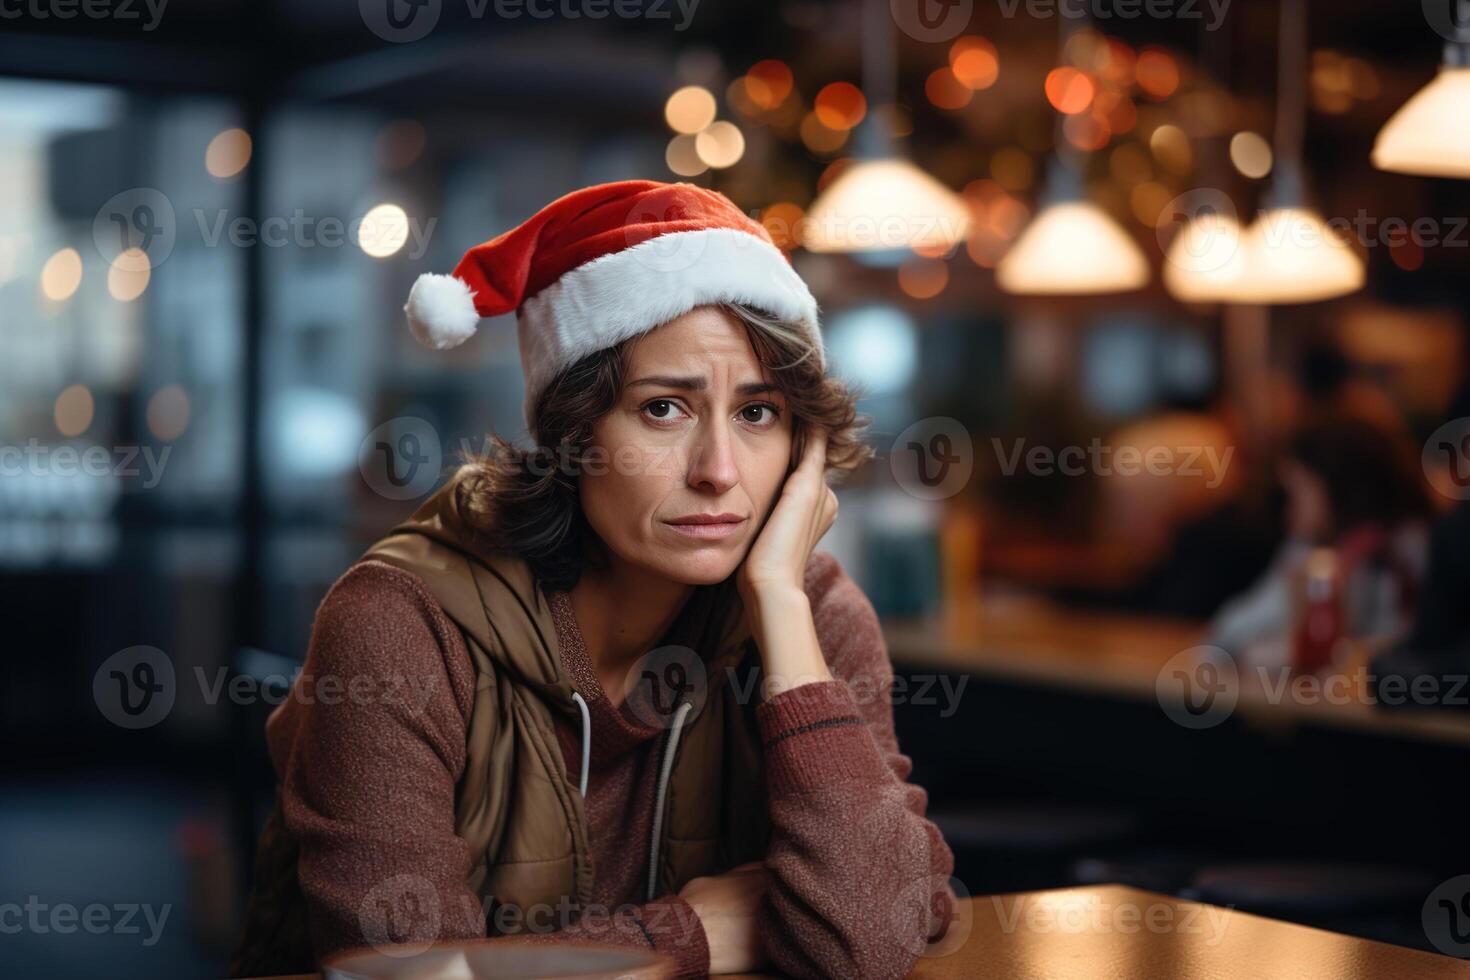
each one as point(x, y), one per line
point(1108, 931)
point(1033, 641)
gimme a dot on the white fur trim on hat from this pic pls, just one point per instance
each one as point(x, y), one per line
point(621, 295)
point(441, 311)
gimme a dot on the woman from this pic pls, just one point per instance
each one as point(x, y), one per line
point(651, 714)
point(1355, 489)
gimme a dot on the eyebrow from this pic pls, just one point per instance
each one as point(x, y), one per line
point(699, 384)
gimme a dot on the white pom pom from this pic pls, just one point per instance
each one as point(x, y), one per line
point(441, 311)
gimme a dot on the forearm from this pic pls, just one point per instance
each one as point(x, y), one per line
point(781, 623)
point(859, 877)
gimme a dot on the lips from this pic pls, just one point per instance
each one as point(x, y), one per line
point(706, 526)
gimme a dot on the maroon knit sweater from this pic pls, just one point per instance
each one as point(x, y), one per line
point(858, 876)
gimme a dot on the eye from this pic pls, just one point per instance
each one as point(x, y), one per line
point(760, 414)
point(661, 410)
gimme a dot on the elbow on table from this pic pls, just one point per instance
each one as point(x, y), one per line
point(873, 939)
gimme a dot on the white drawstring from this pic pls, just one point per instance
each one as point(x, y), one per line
point(586, 742)
point(663, 787)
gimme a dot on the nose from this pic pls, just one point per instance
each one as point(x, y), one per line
point(712, 459)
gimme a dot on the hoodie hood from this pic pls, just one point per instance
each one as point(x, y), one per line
point(495, 598)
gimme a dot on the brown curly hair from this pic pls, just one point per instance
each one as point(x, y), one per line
point(526, 501)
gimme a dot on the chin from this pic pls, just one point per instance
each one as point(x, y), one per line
point(704, 566)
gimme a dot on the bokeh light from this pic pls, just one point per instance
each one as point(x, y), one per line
point(840, 105)
point(73, 411)
point(1157, 73)
point(923, 278)
point(946, 91)
point(682, 158)
point(1069, 90)
point(720, 145)
point(768, 83)
point(128, 275)
point(227, 154)
point(974, 62)
point(383, 230)
point(1251, 154)
point(690, 109)
point(168, 413)
point(61, 275)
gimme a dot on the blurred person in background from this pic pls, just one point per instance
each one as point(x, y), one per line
point(1438, 645)
point(582, 619)
point(1354, 493)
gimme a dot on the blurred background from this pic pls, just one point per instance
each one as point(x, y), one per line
point(1166, 376)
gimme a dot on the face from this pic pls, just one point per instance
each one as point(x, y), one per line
point(1308, 511)
point(698, 434)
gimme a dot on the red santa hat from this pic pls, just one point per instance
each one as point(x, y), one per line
point(606, 263)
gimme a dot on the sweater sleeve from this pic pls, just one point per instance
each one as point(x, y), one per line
point(368, 783)
point(859, 877)
point(368, 773)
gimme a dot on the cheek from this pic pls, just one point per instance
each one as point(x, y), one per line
point(625, 476)
point(766, 473)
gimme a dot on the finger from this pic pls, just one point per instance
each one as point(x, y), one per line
point(814, 454)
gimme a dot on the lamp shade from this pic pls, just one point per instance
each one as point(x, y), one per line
point(1430, 134)
point(878, 205)
point(1290, 255)
point(1204, 262)
point(1072, 247)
